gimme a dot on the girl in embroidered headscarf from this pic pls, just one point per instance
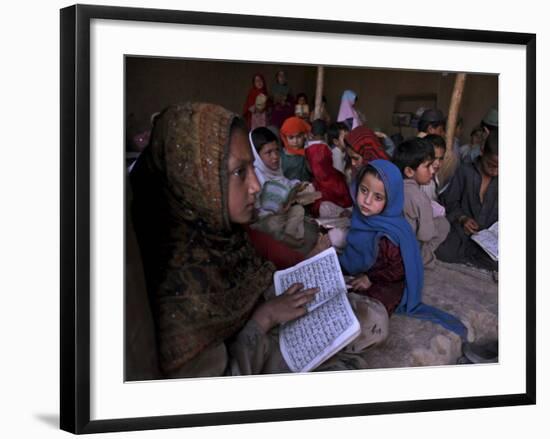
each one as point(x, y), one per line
point(194, 188)
point(294, 134)
point(347, 112)
point(278, 216)
point(382, 252)
point(255, 111)
point(283, 101)
point(362, 146)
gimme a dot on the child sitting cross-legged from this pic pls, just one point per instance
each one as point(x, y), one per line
point(415, 158)
point(382, 253)
point(472, 205)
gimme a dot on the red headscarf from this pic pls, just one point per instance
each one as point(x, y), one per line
point(365, 143)
point(252, 95)
point(294, 125)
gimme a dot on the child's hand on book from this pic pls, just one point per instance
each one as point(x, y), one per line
point(469, 225)
point(281, 309)
point(360, 283)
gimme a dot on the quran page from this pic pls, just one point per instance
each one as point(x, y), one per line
point(487, 239)
point(330, 323)
point(322, 270)
point(310, 340)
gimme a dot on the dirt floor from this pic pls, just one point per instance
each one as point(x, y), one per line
point(468, 293)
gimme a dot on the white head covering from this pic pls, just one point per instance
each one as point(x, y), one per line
point(347, 109)
point(264, 173)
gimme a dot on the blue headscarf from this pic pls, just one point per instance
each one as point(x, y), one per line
point(362, 248)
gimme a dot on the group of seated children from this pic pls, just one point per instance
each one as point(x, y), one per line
point(327, 163)
point(398, 217)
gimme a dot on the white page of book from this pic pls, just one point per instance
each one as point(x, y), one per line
point(330, 323)
point(488, 240)
point(310, 340)
point(322, 270)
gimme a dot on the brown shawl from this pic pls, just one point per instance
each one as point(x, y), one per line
point(202, 273)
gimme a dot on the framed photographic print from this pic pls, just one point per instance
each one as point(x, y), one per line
point(167, 307)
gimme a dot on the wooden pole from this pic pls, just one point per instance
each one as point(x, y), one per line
point(319, 92)
point(451, 162)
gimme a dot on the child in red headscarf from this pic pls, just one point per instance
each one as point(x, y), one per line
point(255, 111)
point(363, 146)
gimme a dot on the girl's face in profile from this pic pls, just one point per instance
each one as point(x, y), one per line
point(270, 155)
point(258, 82)
point(296, 140)
point(356, 159)
point(242, 182)
point(371, 195)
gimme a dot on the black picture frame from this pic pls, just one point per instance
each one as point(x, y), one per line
point(76, 211)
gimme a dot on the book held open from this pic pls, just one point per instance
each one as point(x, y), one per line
point(330, 323)
point(487, 239)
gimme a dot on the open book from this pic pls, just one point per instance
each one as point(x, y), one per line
point(330, 323)
point(488, 240)
point(275, 195)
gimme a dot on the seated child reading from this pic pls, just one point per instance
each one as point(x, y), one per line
point(278, 216)
point(414, 158)
point(382, 252)
point(294, 133)
point(472, 205)
point(327, 180)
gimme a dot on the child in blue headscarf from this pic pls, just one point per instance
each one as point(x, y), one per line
point(382, 251)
